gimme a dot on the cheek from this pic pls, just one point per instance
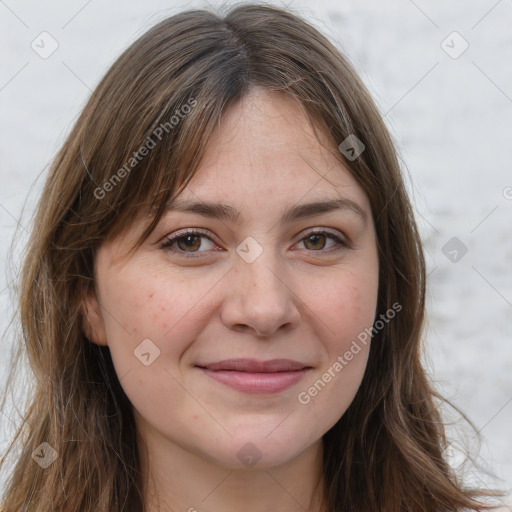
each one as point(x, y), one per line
point(151, 321)
point(138, 306)
point(348, 307)
point(347, 303)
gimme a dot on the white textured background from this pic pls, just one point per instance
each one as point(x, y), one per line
point(452, 119)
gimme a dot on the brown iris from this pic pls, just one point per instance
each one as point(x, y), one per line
point(188, 245)
point(315, 237)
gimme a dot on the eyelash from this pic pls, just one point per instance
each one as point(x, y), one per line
point(167, 244)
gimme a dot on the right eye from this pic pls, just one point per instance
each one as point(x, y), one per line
point(186, 243)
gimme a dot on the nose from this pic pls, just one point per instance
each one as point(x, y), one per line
point(259, 298)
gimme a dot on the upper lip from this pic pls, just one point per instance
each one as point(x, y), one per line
point(255, 366)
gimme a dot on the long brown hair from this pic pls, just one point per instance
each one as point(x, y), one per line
point(386, 452)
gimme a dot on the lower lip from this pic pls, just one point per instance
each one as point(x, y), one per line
point(256, 382)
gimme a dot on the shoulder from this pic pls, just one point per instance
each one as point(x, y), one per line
point(505, 505)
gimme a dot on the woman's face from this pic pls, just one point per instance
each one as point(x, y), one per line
point(259, 287)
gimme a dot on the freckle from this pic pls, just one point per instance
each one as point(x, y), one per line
point(151, 295)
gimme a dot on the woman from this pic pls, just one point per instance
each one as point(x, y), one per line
point(223, 295)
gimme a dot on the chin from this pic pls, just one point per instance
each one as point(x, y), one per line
point(258, 452)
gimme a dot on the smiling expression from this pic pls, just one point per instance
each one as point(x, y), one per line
point(269, 253)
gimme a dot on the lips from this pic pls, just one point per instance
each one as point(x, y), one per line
point(257, 377)
point(255, 366)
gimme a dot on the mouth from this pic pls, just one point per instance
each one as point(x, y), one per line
point(253, 376)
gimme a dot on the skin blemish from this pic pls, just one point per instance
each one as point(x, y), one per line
point(306, 305)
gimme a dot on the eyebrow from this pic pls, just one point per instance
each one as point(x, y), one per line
point(290, 214)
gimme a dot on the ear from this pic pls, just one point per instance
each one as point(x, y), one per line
point(92, 320)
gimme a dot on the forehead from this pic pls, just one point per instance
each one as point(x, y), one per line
point(266, 147)
point(266, 163)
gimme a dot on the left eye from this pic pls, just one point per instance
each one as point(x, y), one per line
point(189, 242)
point(320, 238)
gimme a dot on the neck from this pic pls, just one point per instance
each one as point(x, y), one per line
point(177, 479)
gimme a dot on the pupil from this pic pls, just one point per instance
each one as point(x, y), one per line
point(315, 238)
point(188, 239)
